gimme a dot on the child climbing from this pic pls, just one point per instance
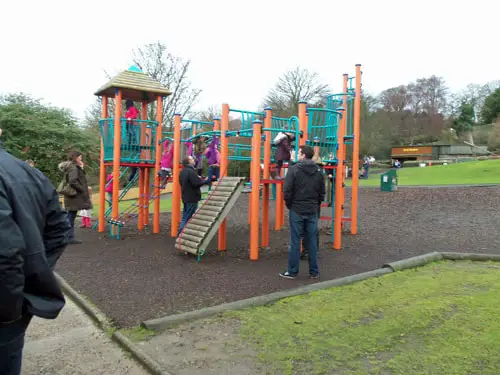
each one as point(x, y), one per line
point(199, 149)
point(166, 163)
point(283, 152)
point(131, 115)
point(213, 159)
point(109, 188)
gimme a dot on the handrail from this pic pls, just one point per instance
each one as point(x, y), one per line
point(203, 205)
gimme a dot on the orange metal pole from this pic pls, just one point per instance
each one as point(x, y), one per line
point(224, 162)
point(143, 215)
point(265, 194)
point(116, 154)
point(282, 205)
point(140, 222)
point(339, 182)
point(254, 225)
point(102, 167)
point(355, 152)
point(303, 122)
point(159, 119)
point(147, 193)
point(176, 187)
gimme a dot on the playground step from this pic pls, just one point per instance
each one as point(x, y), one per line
point(202, 227)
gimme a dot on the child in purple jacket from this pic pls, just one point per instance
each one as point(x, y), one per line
point(213, 159)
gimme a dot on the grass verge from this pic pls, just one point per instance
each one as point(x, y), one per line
point(439, 319)
point(474, 172)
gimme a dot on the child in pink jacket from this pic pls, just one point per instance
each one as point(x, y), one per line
point(166, 163)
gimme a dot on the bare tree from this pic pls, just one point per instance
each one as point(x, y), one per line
point(154, 60)
point(171, 71)
point(295, 85)
point(209, 113)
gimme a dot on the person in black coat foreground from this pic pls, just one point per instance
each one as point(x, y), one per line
point(34, 232)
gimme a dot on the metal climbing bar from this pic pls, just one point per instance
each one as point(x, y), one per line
point(247, 117)
point(137, 140)
point(208, 134)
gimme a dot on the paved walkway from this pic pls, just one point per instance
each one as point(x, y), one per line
point(73, 345)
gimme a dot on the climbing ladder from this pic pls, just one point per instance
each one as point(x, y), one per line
point(203, 225)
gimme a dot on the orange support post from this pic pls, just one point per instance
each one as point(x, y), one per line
point(303, 122)
point(282, 205)
point(117, 154)
point(176, 187)
point(147, 193)
point(265, 194)
point(339, 181)
point(145, 154)
point(144, 116)
point(159, 119)
point(140, 222)
point(255, 178)
point(224, 162)
point(279, 203)
point(102, 167)
point(355, 152)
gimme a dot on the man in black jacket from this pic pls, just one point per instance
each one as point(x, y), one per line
point(304, 191)
point(33, 235)
point(191, 192)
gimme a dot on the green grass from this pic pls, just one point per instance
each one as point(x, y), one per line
point(165, 205)
point(439, 319)
point(138, 333)
point(474, 172)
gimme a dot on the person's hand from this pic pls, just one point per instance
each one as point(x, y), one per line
point(0, 132)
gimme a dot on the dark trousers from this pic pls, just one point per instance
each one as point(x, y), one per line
point(303, 226)
point(71, 218)
point(213, 171)
point(187, 213)
point(304, 245)
point(11, 345)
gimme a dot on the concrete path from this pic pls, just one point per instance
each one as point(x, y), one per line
point(73, 345)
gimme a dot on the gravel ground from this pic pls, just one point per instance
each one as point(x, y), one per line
point(143, 277)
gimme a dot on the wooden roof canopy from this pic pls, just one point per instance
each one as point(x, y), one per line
point(135, 85)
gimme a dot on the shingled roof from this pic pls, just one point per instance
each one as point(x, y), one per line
point(135, 85)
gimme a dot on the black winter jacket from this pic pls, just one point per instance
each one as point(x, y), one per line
point(33, 235)
point(304, 187)
point(190, 184)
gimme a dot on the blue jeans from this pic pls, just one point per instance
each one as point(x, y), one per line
point(213, 171)
point(71, 218)
point(11, 346)
point(303, 226)
point(188, 211)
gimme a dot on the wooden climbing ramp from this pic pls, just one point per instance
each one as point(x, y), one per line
point(203, 226)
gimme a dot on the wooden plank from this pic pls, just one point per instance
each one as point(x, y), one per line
point(215, 226)
point(187, 249)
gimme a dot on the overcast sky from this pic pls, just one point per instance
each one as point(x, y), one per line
point(59, 50)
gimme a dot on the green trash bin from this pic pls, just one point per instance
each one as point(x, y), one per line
point(389, 181)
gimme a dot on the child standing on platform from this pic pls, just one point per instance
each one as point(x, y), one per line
point(283, 152)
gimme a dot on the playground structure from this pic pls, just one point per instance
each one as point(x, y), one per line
point(327, 129)
point(130, 144)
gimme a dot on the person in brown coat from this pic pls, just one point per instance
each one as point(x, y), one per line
point(75, 175)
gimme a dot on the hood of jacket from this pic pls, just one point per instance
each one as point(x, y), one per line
point(65, 166)
point(308, 166)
